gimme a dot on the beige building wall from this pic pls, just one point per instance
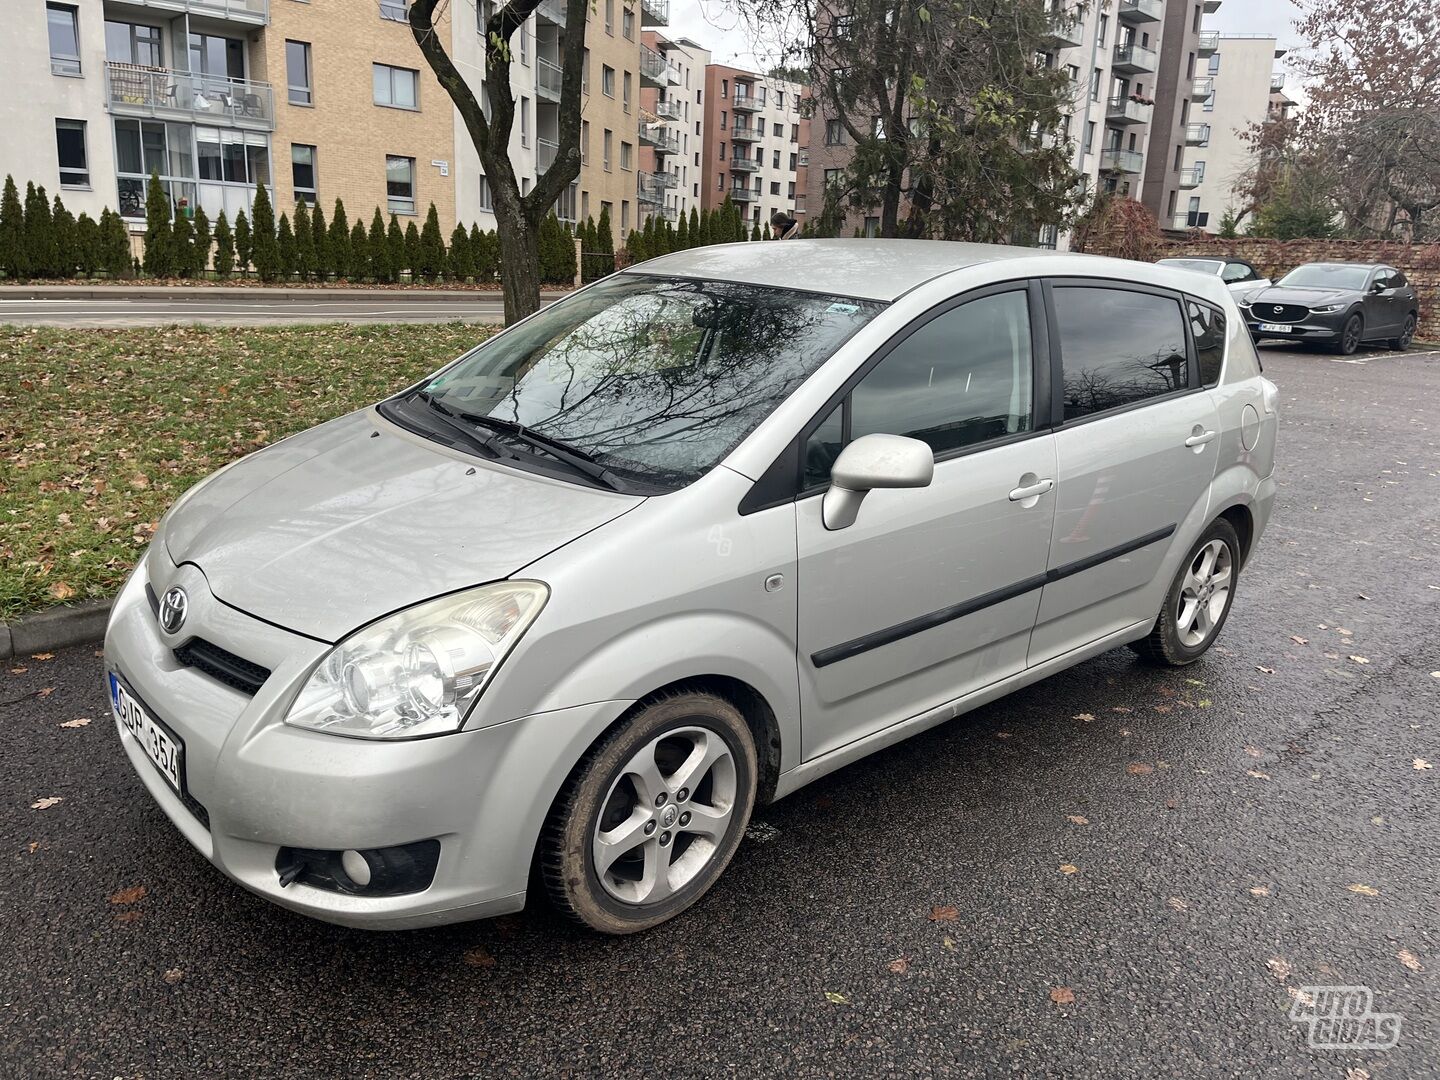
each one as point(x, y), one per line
point(352, 135)
point(610, 115)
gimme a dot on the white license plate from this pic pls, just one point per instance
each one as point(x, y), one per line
point(160, 746)
point(1276, 328)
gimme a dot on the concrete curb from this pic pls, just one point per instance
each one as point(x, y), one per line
point(203, 293)
point(58, 628)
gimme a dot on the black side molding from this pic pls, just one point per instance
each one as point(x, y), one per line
point(835, 653)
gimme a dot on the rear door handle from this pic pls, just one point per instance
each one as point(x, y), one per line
point(1020, 494)
point(1200, 440)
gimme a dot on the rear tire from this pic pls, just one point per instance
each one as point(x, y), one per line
point(1350, 335)
point(1407, 334)
point(651, 817)
point(1198, 601)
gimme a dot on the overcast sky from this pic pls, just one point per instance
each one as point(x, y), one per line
point(714, 23)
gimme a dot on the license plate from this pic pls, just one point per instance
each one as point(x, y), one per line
point(160, 745)
point(1276, 328)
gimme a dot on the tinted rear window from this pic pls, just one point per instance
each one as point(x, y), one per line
point(1207, 326)
point(1118, 347)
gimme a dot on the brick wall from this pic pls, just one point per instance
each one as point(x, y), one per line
point(1274, 258)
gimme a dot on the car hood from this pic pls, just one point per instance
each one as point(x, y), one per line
point(1305, 295)
point(339, 525)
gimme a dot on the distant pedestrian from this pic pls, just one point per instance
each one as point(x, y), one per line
point(783, 226)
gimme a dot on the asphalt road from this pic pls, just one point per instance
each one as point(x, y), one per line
point(1237, 831)
point(200, 305)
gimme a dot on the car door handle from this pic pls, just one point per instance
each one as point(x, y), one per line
point(1200, 440)
point(1020, 494)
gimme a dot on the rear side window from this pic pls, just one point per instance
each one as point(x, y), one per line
point(1118, 347)
point(1207, 326)
point(1397, 280)
point(1237, 271)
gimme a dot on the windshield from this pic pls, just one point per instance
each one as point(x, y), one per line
point(1328, 276)
point(1204, 266)
point(655, 379)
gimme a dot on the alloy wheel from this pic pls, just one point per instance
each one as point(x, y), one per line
point(1351, 341)
point(1204, 593)
point(665, 816)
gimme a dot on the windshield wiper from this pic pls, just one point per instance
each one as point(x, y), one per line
point(579, 460)
point(461, 432)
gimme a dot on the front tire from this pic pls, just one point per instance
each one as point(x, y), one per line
point(1407, 334)
point(651, 817)
point(1197, 602)
point(1350, 335)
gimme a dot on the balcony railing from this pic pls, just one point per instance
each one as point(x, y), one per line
point(1277, 81)
point(666, 180)
point(654, 12)
point(1122, 161)
point(1195, 219)
point(649, 192)
point(1197, 134)
point(1208, 42)
point(131, 90)
point(661, 138)
point(745, 132)
point(744, 164)
point(1141, 11)
point(255, 12)
point(1133, 59)
point(652, 67)
point(545, 153)
point(668, 108)
point(743, 194)
point(1062, 29)
point(746, 102)
point(1124, 110)
point(1192, 177)
point(552, 11)
point(1200, 89)
point(548, 79)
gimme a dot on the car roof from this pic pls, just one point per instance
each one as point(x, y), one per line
point(1354, 265)
point(866, 269)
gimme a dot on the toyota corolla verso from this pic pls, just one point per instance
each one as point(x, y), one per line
point(565, 611)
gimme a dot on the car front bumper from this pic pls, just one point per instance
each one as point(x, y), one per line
point(1326, 327)
point(254, 785)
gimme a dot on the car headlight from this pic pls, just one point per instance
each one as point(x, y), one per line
point(417, 672)
point(1328, 309)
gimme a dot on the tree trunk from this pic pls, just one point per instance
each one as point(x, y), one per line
point(519, 266)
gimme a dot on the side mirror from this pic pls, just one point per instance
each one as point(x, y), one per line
point(874, 461)
point(1378, 287)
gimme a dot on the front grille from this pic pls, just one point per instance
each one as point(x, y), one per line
point(1280, 313)
point(222, 665)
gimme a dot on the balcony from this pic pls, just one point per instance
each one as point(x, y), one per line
point(1133, 59)
point(1121, 111)
point(668, 109)
point(746, 102)
point(131, 90)
point(1062, 29)
point(654, 13)
point(649, 192)
point(745, 132)
point(1277, 82)
point(252, 12)
point(1195, 219)
point(743, 194)
point(1140, 11)
point(548, 80)
point(1200, 89)
point(551, 11)
point(1208, 43)
point(545, 153)
point(744, 164)
point(1197, 134)
point(1192, 178)
point(653, 67)
point(1211, 6)
point(1122, 161)
point(662, 139)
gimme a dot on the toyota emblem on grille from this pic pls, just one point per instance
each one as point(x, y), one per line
point(172, 609)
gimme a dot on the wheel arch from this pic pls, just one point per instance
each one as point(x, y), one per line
point(1243, 522)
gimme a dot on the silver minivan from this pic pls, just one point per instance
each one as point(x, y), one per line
point(564, 612)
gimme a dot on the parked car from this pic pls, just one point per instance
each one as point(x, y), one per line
point(1342, 305)
point(677, 545)
point(1237, 274)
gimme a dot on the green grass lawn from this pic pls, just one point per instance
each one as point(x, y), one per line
point(101, 430)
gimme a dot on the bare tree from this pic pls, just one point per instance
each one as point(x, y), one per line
point(517, 217)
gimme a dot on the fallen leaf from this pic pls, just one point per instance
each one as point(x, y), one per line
point(836, 999)
point(1084, 717)
point(1266, 670)
point(1062, 995)
point(1357, 1073)
point(62, 590)
point(47, 802)
point(948, 942)
point(944, 913)
point(899, 966)
point(127, 916)
point(44, 691)
point(1121, 709)
point(1254, 751)
point(1139, 768)
point(1360, 659)
point(1162, 708)
point(1279, 967)
point(22, 670)
point(133, 895)
point(1410, 960)
point(1300, 996)
point(42, 656)
point(1002, 734)
point(34, 846)
point(173, 976)
point(1175, 903)
point(1420, 764)
point(1076, 819)
point(1194, 682)
point(1378, 820)
point(1257, 774)
point(1299, 640)
point(478, 957)
point(1363, 890)
point(1069, 868)
point(1260, 890)
point(79, 721)
point(1203, 703)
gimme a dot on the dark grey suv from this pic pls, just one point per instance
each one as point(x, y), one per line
point(1339, 304)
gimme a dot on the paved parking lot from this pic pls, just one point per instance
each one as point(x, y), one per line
point(1118, 872)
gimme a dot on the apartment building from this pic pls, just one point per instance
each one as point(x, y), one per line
point(1243, 89)
point(610, 111)
point(757, 152)
point(672, 124)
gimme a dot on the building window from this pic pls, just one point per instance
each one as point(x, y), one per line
point(143, 147)
point(834, 133)
point(394, 10)
point(723, 118)
point(395, 87)
point(794, 161)
point(133, 43)
point(625, 151)
point(792, 189)
point(302, 172)
point(775, 159)
point(872, 227)
point(722, 151)
point(774, 187)
point(1089, 136)
point(1214, 63)
point(524, 121)
point(1104, 28)
point(400, 184)
point(608, 142)
point(795, 133)
point(1209, 105)
point(625, 209)
point(625, 97)
point(779, 99)
point(485, 199)
point(607, 80)
point(70, 145)
point(63, 22)
point(724, 88)
point(584, 142)
point(627, 24)
point(832, 178)
point(610, 17)
point(297, 72)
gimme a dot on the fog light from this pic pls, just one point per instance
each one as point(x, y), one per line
point(355, 867)
point(390, 871)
